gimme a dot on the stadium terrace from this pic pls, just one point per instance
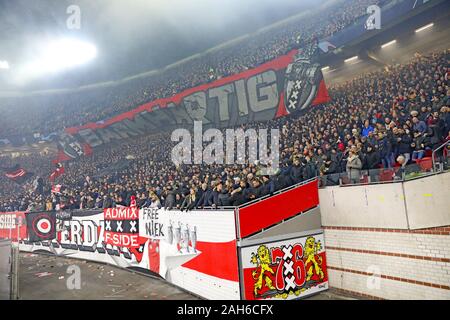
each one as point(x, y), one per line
point(274, 166)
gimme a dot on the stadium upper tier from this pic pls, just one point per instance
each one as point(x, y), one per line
point(48, 113)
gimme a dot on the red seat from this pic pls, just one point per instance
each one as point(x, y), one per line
point(364, 179)
point(426, 164)
point(345, 180)
point(428, 153)
point(386, 175)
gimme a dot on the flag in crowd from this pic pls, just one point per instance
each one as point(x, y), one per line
point(59, 170)
point(17, 174)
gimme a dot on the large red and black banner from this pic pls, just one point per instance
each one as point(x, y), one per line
point(274, 89)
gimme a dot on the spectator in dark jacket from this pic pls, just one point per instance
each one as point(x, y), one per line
point(200, 195)
point(189, 201)
point(255, 190)
point(237, 196)
point(404, 141)
point(419, 145)
point(107, 202)
point(214, 198)
point(178, 201)
point(372, 159)
point(268, 186)
point(170, 199)
point(224, 198)
point(282, 179)
point(385, 149)
point(419, 125)
point(296, 172)
point(371, 162)
point(310, 169)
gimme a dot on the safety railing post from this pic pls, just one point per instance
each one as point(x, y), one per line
point(15, 261)
point(14, 272)
point(5, 269)
point(434, 153)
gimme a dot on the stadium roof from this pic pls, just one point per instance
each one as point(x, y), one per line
point(130, 39)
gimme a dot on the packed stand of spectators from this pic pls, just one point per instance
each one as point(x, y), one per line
point(379, 120)
point(46, 114)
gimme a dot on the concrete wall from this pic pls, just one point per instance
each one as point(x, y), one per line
point(428, 201)
point(378, 206)
point(389, 241)
point(5, 268)
point(415, 204)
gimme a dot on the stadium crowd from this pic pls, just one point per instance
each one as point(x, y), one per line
point(383, 119)
point(45, 114)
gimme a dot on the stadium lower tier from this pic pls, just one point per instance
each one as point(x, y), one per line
point(379, 241)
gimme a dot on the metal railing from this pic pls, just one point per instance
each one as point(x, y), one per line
point(424, 167)
point(277, 192)
point(5, 269)
point(15, 261)
point(9, 262)
point(442, 146)
point(211, 208)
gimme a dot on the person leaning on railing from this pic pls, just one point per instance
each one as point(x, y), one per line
point(156, 203)
point(189, 201)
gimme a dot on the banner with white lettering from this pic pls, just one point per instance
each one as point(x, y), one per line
point(182, 247)
point(9, 228)
point(122, 227)
point(277, 88)
point(151, 223)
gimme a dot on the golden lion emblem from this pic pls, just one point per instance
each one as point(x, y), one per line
point(311, 258)
point(262, 261)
